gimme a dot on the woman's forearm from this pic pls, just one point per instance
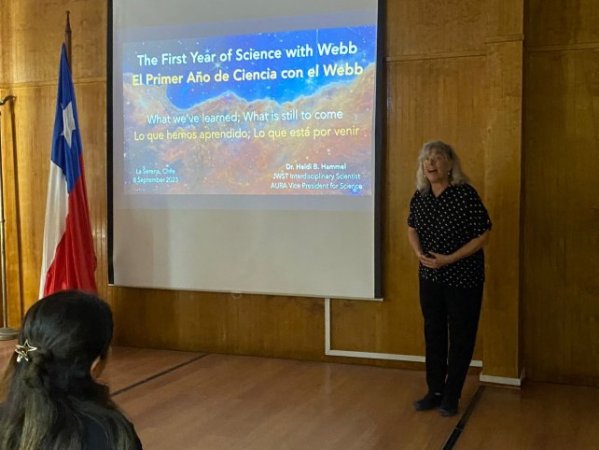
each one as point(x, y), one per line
point(414, 241)
point(439, 260)
point(469, 248)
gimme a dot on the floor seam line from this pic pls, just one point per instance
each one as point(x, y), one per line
point(157, 375)
point(459, 428)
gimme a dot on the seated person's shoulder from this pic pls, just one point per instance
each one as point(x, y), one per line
point(95, 435)
point(98, 437)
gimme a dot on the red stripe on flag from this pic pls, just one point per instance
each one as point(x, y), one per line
point(74, 261)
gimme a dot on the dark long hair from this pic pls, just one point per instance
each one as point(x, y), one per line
point(51, 395)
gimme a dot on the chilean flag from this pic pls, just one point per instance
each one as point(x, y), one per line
point(68, 260)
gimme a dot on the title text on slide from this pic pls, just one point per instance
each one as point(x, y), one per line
point(226, 74)
point(328, 70)
point(240, 54)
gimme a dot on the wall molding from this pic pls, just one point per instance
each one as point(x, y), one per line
point(476, 53)
point(506, 381)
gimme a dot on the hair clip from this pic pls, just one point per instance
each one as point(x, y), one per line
point(23, 350)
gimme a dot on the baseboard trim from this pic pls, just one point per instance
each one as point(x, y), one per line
point(507, 381)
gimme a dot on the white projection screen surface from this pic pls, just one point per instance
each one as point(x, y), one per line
point(244, 146)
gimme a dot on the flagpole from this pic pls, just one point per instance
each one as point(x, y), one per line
point(67, 40)
point(6, 333)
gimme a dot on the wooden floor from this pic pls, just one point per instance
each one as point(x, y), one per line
point(180, 400)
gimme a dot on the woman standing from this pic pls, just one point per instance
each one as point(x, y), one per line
point(448, 226)
point(51, 398)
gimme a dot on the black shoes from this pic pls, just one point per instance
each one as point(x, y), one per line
point(447, 407)
point(429, 401)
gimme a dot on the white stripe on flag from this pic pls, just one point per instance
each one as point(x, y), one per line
point(57, 208)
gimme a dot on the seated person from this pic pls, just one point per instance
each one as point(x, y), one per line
point(51, 398)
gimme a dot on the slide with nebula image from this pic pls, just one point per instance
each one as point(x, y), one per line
point(265, 113)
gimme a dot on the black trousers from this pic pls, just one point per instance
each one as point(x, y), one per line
point(451, 318)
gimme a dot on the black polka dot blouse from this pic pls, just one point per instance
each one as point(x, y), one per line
point(446, 223)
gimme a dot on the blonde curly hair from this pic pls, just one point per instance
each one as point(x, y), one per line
point(456, 175)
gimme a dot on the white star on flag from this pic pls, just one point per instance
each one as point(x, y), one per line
point(68, 123)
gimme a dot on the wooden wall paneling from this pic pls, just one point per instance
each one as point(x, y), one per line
point(502, 168)
point(561, 227)
point(12, 224)
point(500, 325)
point(560, 212)
point(37, 31)
point(559, 22)
point(220, 322)
point(504, 20)
point(4, 32)
point(28, 175)
point(435, 27)
point(4, 38)
point(2, 145)
point(4, 142)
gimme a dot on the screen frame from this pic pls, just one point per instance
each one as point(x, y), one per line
point(379, 153)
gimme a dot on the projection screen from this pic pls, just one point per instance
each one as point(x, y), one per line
point(245, 145)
